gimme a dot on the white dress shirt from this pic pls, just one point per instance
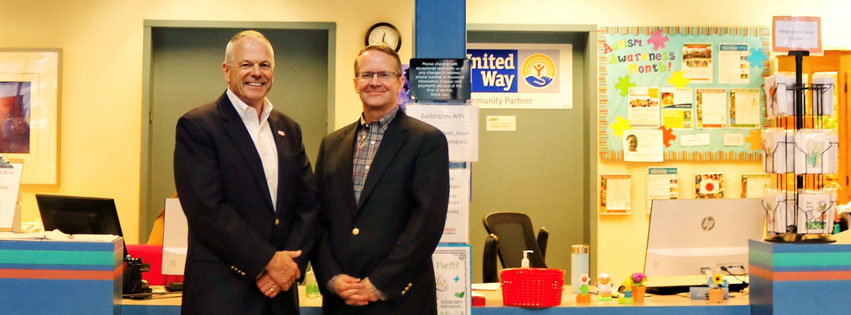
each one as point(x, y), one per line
point(264, 142)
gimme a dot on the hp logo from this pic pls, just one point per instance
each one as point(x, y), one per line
point(707, 224)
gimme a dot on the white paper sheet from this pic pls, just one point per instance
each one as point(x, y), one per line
point(755, 185)
point(618, 194)
point(816, 215)
point(456, 228)
point(643, 145)
point(662, 184)
point(711, 108)
point(778, 147)
point(501, 123)
point(734, 139)
point(744, 108)
point(10, 185)
point(694, 140)
point(824, 95)
point(816, 151)
point(733, 65)
point(643, 107)
point(697, 62)
point(460, 124)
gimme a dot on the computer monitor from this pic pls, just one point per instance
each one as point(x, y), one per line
point(175, 238)
point(687, 236)
point(79, 215)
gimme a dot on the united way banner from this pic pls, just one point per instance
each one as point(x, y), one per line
point(521, 75)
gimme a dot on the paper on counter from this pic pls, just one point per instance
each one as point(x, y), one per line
point(489, 286)
point(21, 236)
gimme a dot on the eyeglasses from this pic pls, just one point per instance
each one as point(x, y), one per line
point(382, 75)
point(264, 66)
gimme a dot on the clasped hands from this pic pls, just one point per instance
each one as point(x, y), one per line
point(280, 273)
point(355, 291)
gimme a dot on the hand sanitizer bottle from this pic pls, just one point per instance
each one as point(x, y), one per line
point(524, 263)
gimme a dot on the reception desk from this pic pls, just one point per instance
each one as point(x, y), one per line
point(61, 277)
point(169, 304)
point(655, 304)
point(800, 278)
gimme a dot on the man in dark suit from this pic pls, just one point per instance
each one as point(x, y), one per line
point(384, 190)
point(248, 192)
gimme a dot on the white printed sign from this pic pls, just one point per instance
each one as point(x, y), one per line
point(452, 273)
point(460, 124)
point(458, 215)
point(501, 123)
point(797, 33)
point(10, 186)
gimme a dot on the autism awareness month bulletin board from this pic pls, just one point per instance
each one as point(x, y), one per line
point(699, 86)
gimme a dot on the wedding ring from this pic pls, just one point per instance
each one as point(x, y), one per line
point(272, 289)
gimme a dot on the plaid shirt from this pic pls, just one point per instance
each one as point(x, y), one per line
point(369, 138)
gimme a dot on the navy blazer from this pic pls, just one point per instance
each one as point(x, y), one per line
point(390, 235)
point(233, 229)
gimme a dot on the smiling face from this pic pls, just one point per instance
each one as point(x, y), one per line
point(250, 70)
point(633, 142)
point(378, 95)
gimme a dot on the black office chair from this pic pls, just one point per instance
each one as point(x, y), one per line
point(509, 234)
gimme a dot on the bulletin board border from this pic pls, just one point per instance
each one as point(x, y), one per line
point(763, 33)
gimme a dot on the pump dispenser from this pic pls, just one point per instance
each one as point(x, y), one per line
point(525, 262)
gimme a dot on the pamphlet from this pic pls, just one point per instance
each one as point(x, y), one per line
point(662, 183)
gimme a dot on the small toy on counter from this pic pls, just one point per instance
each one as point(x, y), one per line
point(717, 284)
point(638, 288)
point(626, 298)
point(583, 297)
point(604, 287)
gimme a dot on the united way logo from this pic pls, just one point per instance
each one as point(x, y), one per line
point(493, 70)
point(539, 71)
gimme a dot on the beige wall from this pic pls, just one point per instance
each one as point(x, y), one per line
point(101, 97)
point(834, 13)
point(621, 239)
point(101, 101)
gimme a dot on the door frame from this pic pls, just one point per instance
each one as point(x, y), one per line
point(147, 92)
point(589, 108)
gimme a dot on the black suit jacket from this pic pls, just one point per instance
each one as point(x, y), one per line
point(399, 218)
point(233, 229)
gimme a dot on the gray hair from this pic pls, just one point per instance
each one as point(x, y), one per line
point(244, 34)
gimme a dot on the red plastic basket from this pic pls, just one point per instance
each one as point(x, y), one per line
point(532, 287)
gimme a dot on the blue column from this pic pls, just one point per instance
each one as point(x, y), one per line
point(440, 29)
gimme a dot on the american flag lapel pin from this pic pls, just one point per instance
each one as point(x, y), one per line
point(281, 133)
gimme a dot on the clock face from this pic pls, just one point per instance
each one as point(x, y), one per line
point(384, 33)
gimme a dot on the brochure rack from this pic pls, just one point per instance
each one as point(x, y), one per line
point(800, 152)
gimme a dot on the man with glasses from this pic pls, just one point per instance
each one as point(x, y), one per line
point(383, 190)
point(248, 192)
